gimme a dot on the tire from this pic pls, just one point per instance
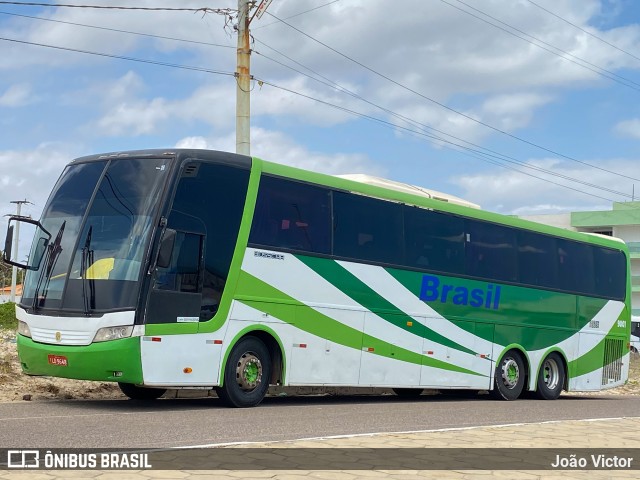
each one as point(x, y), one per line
point(408, 392)
point(141, 393)
point(551, 377)
point(509, 377)
point(246, 374)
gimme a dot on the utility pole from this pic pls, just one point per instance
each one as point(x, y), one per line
point(14, 248)
point(243, 80)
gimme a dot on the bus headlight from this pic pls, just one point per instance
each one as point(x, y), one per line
point(113, 333)
point(23, 329)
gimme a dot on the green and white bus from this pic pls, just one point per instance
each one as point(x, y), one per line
point(169, 269)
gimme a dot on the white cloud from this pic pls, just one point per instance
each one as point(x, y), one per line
point(507, 191)
point(279, 148)
point(30, 175)
point(17, 95)
point(512, 111)
point(628, 128)
point(134, 118)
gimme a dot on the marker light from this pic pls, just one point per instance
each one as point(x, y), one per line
point(113, 333)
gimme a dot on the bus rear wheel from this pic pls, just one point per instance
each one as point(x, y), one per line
point(551, 377)
point(509, 376)
point(246, 374)
point(141, 393)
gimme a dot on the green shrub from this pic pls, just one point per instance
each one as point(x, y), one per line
point(8, 316)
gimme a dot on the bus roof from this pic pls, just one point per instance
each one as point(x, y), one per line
point(407, 188)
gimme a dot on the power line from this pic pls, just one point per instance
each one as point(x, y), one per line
point(162, 37)
point(446, 107)
point(583, 30)
point(483, 154)
point(205, 10)
point(297, 14)
point(478, 149)
point(120, 57)
point(327, 82)
point(353, 112)
point(569, 56)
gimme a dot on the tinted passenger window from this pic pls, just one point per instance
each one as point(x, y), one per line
point(537, 260)
point(367, 228)
point(575, 267)
point(491, 252)
point(434, 241)
point(610, 269)
point(292, 215)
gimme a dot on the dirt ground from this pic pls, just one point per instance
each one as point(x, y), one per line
point(15, 386)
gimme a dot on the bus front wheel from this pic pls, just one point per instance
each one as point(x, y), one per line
point(246, 374)
point(509, 376)
point(551, 377)
point(140, 393)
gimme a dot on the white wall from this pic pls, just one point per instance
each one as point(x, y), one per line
point(628, 233)
point(562, 220)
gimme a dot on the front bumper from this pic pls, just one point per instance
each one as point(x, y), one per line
point(98, 361)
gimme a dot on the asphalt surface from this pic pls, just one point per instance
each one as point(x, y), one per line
point(190, 422)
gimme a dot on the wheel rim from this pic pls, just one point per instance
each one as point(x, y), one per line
point(249, 371)
point(510, 373)
point(551, 373)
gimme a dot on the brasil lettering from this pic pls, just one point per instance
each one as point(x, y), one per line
point(433, 290)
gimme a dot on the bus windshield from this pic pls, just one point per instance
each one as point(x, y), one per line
point(100, 219)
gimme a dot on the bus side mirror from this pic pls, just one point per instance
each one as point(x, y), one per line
point(166, 248)
point(8, 244)
point(26, 255)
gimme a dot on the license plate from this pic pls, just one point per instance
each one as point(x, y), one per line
point(58, 360)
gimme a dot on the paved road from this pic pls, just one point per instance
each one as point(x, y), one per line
point(170, 423)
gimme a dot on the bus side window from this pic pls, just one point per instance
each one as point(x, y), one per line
point(575, 267)
point(434, 241)
point(367, 229)
point(292, 215)
point(491, 252)
point(537, 265)
point(183, 272)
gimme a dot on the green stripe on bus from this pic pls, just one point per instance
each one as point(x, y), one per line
point(594, 358)
point(535, 319)
point(316, 323)
point(356, 289)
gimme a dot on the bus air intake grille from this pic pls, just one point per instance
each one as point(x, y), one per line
point(613, 352)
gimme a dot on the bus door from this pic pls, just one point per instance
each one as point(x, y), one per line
point(180, 357)
point(176, 295)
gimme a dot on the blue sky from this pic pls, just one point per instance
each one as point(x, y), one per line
point(56, 105)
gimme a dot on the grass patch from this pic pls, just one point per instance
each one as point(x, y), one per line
point(8, 316)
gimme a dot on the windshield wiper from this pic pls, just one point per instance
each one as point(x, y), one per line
point(86, 261)
point(50, 259)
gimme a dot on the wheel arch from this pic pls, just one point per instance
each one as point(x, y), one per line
point(274, 345)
